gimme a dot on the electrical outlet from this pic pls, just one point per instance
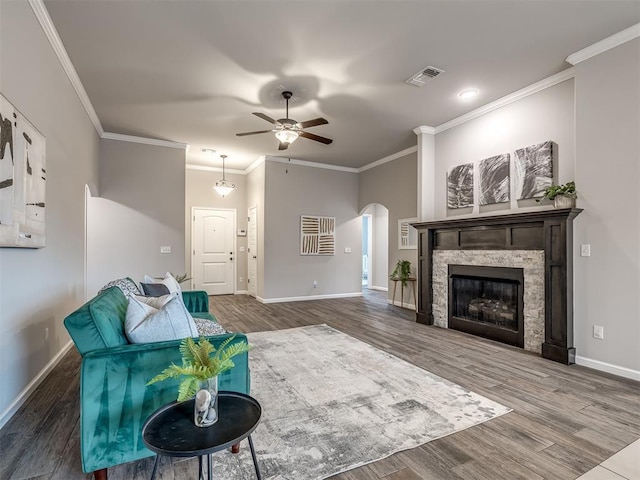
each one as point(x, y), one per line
point(46, 334)
point(585, 250)
point(315, 284)
point(598, 332)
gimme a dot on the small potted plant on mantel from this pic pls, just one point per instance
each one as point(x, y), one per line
point(563, 196)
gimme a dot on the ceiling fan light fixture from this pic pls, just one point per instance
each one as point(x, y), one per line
point(286, 136)
point(223, 187)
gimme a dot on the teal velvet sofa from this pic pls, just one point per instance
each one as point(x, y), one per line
point(115, 400)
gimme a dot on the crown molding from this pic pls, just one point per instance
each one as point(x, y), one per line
point(254, 165)
point(305, 163)
point(511, 98)
point(424, 129)
point(389, 158)
point(51, 33)
point(146, 141)
point(207, 168)
point(605, 44)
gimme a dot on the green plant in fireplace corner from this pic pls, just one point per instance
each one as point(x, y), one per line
point(402, 271)
point(200, 362)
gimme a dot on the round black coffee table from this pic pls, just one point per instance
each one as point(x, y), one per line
point(170, 430)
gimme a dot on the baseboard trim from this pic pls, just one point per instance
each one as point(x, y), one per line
point(398, 303)
point(310, 297)
point(242, 292)
point(29, 389)
point(608, 368)
point(382, 289)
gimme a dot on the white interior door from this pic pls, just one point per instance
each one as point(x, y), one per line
point(252, 252)
point(213, 240)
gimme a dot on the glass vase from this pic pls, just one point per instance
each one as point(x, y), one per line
point(205, 410)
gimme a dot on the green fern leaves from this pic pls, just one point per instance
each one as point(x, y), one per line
point(200, 362)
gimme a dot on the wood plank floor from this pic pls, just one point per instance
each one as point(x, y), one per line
point(565, 419)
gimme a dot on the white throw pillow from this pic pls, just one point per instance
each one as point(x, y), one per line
point(146, 324)
point(168, 281)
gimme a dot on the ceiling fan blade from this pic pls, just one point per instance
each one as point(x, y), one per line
point(317, 138)
point(265, 117)
point(283, 146)
point(314, 122)
point(252, 133)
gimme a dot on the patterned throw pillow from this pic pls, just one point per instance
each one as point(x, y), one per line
point(155, 289)
point(207, 328)
point(127, 286)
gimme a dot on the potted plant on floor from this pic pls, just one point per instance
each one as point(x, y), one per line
point(563, 196)
point(201, 365)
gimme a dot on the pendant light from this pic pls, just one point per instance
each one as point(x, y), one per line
point(223, 187)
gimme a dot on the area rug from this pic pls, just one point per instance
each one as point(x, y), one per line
point(332, 403)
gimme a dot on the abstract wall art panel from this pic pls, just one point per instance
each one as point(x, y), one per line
point(460, 186)
point(22, 180)
point(317, 235)
point(494, 180)
point(533, 170)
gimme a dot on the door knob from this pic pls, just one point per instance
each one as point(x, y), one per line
point(255, 256)
point(231, 259)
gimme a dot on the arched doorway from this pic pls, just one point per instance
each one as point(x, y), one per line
point(375, 247)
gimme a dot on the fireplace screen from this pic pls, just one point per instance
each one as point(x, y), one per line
point(487, 301)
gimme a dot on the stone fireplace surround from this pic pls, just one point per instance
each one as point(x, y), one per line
point(541, 242)
point(532, 263)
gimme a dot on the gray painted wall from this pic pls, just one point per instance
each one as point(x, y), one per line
point(38, 288)
point(607, 284)
point(200, 193)
point(310, 191)
point(546, 115)
point(394, 185)
point(142, 207)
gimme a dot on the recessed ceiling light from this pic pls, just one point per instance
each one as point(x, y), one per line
point(468, 93)
point(209, 151)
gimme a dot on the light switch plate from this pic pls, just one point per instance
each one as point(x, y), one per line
point(585, 250)
point(347, 249)
point(165, 249)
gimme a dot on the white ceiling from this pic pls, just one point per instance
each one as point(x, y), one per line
point(193, 71)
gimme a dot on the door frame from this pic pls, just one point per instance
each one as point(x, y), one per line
point(235, 240)
point(255, 207)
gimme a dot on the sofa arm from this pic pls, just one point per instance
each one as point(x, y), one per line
point(196, 301)
point(116, 400)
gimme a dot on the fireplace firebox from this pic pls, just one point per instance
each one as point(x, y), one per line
point(487, 301)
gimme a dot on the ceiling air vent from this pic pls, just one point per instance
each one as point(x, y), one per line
point(423, 76)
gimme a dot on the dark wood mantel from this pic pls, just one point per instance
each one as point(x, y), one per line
point(547, 230)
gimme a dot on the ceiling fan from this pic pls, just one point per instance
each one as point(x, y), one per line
point(288, 129)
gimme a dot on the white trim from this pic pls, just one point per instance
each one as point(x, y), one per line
point(254, 165)
point(608, 368)
point(207, 168)
point(382, 289)
point(388, 158)
point(511, 98)
point(424, 129)
point(310, 297)
point(33, 384)
point(399, 303)
point(146, 141)
point(51, 33)
point(603, 45)
point(305, 163)
point(242, 292)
